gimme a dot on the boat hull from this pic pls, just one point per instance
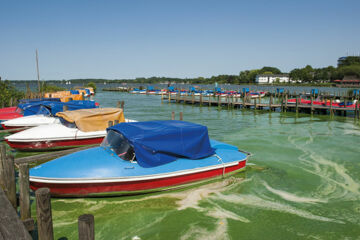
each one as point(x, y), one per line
point(53, 144)
point(113, 188)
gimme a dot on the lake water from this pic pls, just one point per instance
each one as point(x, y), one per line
point(302, 181)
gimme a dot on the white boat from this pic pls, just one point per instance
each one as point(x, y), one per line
point(30, 121)
point(71, 129)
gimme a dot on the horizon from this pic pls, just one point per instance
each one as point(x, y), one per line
point(119, 40)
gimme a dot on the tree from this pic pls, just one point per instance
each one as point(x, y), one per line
point(272, 70)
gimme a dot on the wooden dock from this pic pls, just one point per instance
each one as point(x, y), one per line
point(271, 103)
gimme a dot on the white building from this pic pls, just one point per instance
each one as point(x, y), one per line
point(272, 78)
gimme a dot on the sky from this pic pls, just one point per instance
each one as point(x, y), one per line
point(117, 39)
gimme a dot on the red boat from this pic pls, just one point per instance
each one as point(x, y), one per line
point(322, 103)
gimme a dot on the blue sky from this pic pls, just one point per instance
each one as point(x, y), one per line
point(129, 39)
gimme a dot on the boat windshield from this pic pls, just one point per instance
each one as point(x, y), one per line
point(118, 144)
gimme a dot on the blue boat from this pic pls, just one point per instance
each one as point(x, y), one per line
point(140, 157)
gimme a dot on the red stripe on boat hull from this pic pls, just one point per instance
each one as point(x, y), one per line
point(118, 188)
point(48, 145)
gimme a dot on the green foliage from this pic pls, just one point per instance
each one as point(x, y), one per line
point(92, 84)
point(45, 87)
point(269, 70)
point(8, 91)
point(350, 60)
point(352, 70)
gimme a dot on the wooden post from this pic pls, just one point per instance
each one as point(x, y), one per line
point(219, 100)
point(192, 98)
point(110, 123)
point(177, 97)
point(209, 101)
point(172, 115)
point(356, 110)
point(282, 102)
point(297, 105)
point(169, 97)
point(312, 105)
point(286, 102)
point(24, 191)
point(86, 227)
point(122, 105)
point(270, 102)
point(7, 175)
point(43, 213)
point(331, 107)
point(201, 99)
point(255, 105)
point(118, 104)
point(181, 116)
point(162, 97)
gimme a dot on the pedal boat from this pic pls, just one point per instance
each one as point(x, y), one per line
point(43, 113)
point(140, 157)
point(76, 128)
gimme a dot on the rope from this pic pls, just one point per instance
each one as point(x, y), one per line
point(220, 160)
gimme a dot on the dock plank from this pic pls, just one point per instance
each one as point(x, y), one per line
point(11, 226)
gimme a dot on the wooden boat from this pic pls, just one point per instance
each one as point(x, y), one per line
point(140, 157)
point(42, 113)
point(76, 128)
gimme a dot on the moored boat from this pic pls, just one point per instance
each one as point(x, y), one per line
point(76, 128)
point(42, 113)
point(138, 158)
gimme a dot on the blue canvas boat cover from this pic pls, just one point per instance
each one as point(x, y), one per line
point(24, 102)
point(74, 92)
point(159, 142)
point(51, 108)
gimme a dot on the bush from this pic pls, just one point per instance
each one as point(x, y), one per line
point(92, 84)
point(7, 92)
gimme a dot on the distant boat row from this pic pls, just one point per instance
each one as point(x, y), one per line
point(195, 92)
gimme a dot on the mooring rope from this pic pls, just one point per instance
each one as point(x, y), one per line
point(220, 160)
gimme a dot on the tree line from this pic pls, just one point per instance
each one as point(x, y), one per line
point(307, 74)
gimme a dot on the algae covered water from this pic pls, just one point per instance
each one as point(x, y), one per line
point(302, 181)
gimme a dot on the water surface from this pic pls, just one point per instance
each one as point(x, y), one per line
point(302, 182)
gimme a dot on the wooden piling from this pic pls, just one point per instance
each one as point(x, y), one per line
point(331, 108)
point(86, 227)
point(270, 101)
point(7, 175)
point(201, 100)
point(192, 98)
point(181, 116)
point(286, 102)
point(24, 186)
point(312, 105)
point(172, 115)
point(43, 212)
point(297, 105)
point(219, 100)
point(118, 104)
